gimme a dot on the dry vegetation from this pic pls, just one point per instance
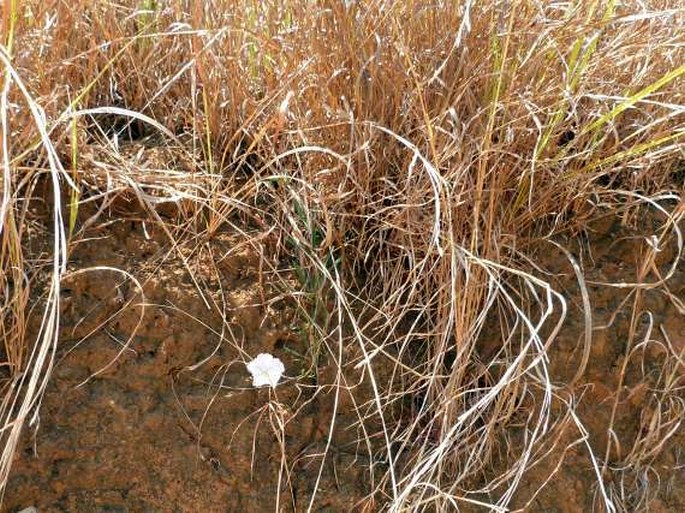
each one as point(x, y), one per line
point(405, 158)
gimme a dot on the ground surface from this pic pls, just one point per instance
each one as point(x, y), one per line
point(173, 424)
point(645, 467)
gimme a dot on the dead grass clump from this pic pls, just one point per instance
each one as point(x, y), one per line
point(405, 153)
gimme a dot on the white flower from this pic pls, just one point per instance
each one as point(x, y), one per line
point(265, 370)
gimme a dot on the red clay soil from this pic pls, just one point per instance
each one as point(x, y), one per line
point(173, 424)
point(644, 471)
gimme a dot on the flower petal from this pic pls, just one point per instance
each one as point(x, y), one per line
point(265, 370)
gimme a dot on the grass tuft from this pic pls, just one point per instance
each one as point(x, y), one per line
point(402, 160)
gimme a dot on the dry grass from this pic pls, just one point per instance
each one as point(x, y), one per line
point(406, 155)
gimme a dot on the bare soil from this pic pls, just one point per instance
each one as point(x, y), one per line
point(631, 394)
point(151, 409)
